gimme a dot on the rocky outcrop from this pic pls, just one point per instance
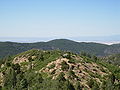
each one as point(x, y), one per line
point(78, 70)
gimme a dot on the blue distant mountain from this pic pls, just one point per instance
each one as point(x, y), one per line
point(106, 39)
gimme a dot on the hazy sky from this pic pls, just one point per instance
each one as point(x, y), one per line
point(59, 18)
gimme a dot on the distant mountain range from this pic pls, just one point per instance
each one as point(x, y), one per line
point(11, 48)
point(111, 39)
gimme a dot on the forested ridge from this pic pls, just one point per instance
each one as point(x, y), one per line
point(57, 70)
point(12, 48)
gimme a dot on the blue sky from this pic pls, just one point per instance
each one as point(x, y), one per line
point(59, 18)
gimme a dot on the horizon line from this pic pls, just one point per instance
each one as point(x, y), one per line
point(86, 41)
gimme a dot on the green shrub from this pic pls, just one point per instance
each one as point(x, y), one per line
point(71, 73)
point(51, 66)
point(67, 55)
point(64, 65)
point(71, 61)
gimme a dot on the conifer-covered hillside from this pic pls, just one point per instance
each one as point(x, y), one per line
point(57, 70)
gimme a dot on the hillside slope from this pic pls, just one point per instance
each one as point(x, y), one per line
point(57, 70)
point(112, 59)
point(12, 48)
point(113, 49)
